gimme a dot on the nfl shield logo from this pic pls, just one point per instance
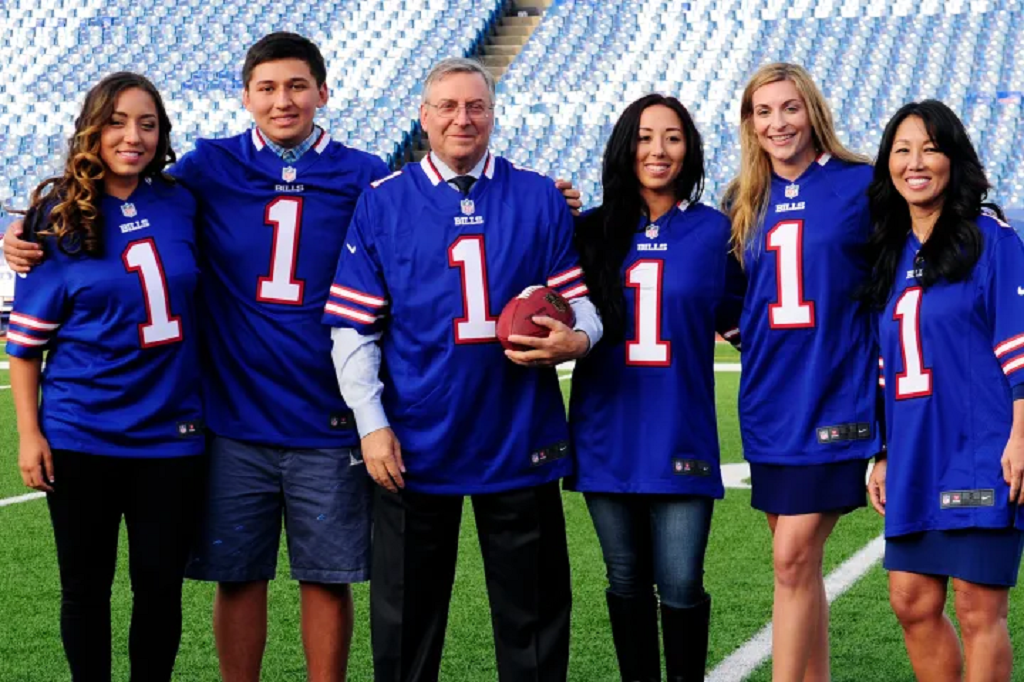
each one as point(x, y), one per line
point(652, 231)
point(792, 191)
point(288, 174)
point(468, 207)
point(128, 210)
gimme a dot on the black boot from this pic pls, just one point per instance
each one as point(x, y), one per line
point(635, 633)
point(686, 641)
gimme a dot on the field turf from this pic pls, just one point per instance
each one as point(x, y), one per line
point(866, 640)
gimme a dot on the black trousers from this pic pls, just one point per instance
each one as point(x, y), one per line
point(158, 499)
point(526, 565)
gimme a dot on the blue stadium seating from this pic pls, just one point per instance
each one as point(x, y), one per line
point(560, 97)
point(377, 52)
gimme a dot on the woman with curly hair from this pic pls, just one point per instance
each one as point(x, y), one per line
point(948, 285)
point(117, 432)
point(808, 391)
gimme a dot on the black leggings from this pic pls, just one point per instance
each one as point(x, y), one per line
point(158, 499)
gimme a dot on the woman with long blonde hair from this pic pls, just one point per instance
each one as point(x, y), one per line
point(118, 430)
point(807, 402)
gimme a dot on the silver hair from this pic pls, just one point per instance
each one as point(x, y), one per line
point(452, 65)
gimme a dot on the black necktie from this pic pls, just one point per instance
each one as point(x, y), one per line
point(463, 182)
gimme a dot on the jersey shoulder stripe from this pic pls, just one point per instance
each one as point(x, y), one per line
point(377, 183)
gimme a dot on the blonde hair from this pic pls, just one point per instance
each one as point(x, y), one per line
point(73, 198)
point(746, 197)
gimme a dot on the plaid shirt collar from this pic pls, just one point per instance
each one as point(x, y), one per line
point(293, 154)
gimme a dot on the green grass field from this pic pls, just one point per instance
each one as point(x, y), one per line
point(866, 640)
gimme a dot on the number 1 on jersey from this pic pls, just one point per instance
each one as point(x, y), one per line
point(160, 326)
point(478, 325)
point(647, 347)
point(791, 311)
point(284, 214)
point(914, 381)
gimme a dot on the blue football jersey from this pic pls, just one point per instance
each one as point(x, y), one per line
point(642, 413)
point(122, 371)
point(951, 356)
point(810, 367)
point(432, 270)
point(270, 234)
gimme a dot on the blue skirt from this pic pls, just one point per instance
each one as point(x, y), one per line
point(808, 489)
point(978, 555)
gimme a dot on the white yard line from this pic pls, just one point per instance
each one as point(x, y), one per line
point(7, 501)
point(3, 387)
point(565, 372)
point(741, 663)
point(5, 365)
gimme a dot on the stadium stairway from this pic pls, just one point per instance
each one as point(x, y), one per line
point(511, 33)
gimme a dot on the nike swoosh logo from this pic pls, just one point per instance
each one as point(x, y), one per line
point(351, 249)
point(1020, 291)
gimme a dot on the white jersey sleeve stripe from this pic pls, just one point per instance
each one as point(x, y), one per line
point(32, 322)
point(579, 290)
point(1013, 365)
point(350, 313)
point(25, 339)
point(1002, 349)
point(357, 296)
point(564, 277)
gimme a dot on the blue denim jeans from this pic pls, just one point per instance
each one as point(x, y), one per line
point(650, 540)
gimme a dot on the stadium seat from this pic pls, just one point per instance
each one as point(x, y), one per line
point(559, 98)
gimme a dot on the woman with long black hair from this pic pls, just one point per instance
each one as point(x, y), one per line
point(642, 410)
point(948, 283)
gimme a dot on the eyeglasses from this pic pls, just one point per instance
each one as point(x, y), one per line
point(448, 109)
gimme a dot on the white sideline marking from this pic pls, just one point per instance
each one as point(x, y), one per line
point(3, 387)
point(20, 498)
point(5, 365)
point(741, 663)
point(736, 476)
point(719, 367)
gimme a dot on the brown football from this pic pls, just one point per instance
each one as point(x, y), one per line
point(517, 317)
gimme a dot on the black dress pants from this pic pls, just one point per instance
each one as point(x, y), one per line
point(526, 565)
point(158, 499)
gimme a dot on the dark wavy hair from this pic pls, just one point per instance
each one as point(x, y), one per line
point(605, 235)
point(67, 207)
point(955, 244)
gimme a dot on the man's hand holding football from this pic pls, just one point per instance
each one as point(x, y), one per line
point(560, 345)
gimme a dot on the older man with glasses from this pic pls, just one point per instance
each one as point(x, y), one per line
point(432, 254)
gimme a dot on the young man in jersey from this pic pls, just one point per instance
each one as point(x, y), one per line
point(274, 203)
point(432, 255)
